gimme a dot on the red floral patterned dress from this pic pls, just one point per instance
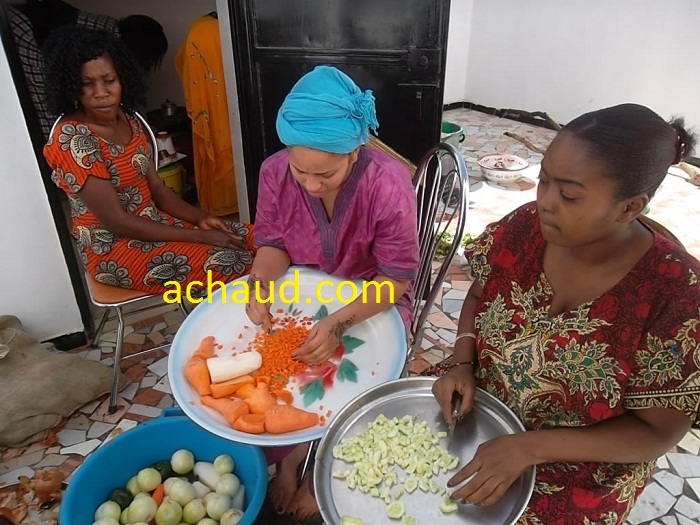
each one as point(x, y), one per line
point(636, 346)
point(75, 152)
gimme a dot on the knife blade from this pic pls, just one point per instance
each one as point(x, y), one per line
point(456, 401)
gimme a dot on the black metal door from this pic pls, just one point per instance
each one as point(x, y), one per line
point(396, 48)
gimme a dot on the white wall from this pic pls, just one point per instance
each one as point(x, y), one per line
point(33, 275)
point(458, 37)
point(567, 57)
point(175, 16)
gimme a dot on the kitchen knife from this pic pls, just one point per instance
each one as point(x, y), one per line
point(456, 401)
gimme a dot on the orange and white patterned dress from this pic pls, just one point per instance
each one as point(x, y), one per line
point(74, 152)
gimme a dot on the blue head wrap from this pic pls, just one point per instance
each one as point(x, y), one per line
point(325, 110)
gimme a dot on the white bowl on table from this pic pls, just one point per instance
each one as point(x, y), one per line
point(502, 167)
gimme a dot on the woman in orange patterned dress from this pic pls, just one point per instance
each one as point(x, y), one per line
point(132, 230)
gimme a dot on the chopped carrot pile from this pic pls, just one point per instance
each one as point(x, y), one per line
point(257, 402)
point(276, 349)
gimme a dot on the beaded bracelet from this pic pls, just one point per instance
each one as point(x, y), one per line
point(465, 334)
point(475, 364)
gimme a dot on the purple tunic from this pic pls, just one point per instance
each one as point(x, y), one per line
point(373, 229)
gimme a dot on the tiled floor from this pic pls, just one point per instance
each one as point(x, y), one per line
point(672, 498)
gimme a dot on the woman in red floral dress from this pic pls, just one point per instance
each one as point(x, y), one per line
point(585, 323)
point(132, 230)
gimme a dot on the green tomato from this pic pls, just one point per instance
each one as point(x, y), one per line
point(194, 511)
point(109, 509)
point(228, 484)
point(106, 521)
point(231, 517)
point(182, 492)
point(217, 504)
point(133, 486)
point(169, 513)
point(148, 479)
point(182, 461)
point(142, 509)
point(223, 464)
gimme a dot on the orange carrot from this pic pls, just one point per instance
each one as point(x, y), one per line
point(158, 494)
point(260, 399)
point(286, 418)
point(245, 391)
point(229, 387)
point(197, 375)
point(283, 395)
point(263, 379)
point(276, 349)
point(229, 408)
point(250, 423)
point(206, 348)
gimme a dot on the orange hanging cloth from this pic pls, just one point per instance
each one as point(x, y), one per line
point(200, 66)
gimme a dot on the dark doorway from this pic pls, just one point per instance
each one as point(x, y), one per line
point(397, 48)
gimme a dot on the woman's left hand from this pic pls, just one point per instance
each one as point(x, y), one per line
point(209, 222)
point(497, 464)
point(322, 341)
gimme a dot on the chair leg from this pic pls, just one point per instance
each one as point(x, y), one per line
point(100, 326)
point(308, 460)
point(116, 369)
point(183, 308)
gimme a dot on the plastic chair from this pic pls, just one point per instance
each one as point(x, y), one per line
point(115, 298)
point(442, 193)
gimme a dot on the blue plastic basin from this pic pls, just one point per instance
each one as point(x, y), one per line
point(113, 464)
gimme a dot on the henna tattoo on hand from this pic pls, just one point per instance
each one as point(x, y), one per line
point(255, 280)
point(339, 328)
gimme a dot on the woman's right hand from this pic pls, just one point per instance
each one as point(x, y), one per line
point(221, 238)
point(258, 312)
point(458, 379)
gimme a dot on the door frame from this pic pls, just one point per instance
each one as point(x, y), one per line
point(67, 341)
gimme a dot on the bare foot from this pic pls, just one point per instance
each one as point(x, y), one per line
point(303, 506)
point(284, 485)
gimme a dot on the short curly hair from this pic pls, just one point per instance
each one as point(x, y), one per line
point(68, 48)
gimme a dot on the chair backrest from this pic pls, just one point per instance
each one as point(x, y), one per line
point(377, 144)
point(442, 192)
point(143, 123)
point(660, 228)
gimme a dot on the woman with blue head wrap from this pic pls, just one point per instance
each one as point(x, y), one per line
point(326, 111)
point(328, 202)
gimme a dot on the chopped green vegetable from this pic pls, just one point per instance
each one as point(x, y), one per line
point(387, 443)
point(411, 484)
point(349, 520)
point(395, 510)
point(409, 520)
point(447, 505)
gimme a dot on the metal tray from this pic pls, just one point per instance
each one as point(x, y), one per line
point(413, 396)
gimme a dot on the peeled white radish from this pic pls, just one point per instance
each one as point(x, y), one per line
point(238, 500)
point(224, 368)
